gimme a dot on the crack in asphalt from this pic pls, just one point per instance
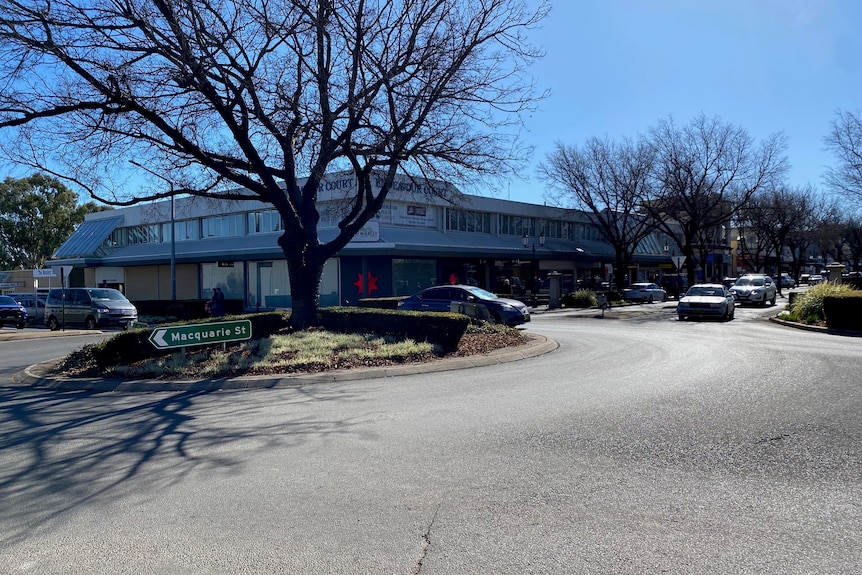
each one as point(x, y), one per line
point(426, 542)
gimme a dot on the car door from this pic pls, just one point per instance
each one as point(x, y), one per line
point(81, 304)
point(436, 299)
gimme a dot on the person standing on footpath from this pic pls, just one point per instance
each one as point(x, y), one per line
point(216, 303)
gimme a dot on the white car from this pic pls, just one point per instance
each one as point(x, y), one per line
point(754, 288)
point(647, 292)
point(706, 300)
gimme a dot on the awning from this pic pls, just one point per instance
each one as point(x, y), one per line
point(87, 238)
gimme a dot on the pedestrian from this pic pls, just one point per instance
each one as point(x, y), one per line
point(216, 304)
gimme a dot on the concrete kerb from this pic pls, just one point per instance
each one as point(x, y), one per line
point(38, 375)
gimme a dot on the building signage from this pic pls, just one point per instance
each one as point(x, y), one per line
point(370, 232)
point(44, 273)
point(225, 264)
point(200, 334)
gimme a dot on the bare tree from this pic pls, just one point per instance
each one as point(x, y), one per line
point(246, 98)
point(774, 215)
point(706, 171)
point(820, 212)
point(845, 141)
point(852, 237)
point(611, 182)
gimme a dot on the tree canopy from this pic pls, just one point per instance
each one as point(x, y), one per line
point(245, 98)
point(37, 214)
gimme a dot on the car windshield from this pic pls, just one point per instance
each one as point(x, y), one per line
point(106, 294)
point(6, 300)
point(481, 294)
point(703, 290)
point(750, 282)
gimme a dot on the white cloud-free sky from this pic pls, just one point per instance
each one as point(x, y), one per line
point(617, 67)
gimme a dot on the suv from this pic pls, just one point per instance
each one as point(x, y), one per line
point(754, 288)
point(11, 311)
point(90, 307)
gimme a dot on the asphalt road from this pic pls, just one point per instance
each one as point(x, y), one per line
point(642, 445)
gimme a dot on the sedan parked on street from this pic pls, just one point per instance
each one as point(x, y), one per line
point(510, 312)
point(12, 312)
point(706, 300)
point(647, 292)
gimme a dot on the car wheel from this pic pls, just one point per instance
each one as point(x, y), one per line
point(20, 326)
point(90, 322)
point(680, 318)
point(772, 301)
point(53, 324)
point(649, 299)
point(495, 318)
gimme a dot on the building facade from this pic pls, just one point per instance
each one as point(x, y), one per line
point(186, 247)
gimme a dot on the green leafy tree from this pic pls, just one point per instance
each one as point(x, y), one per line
point(248, 99)
point(37, 214)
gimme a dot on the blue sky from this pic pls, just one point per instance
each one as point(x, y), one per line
point(617, 67)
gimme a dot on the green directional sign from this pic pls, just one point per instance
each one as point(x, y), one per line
point(200, 334)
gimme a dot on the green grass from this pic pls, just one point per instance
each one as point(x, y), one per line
point(298, 352)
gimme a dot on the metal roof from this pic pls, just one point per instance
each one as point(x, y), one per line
point(87, 238)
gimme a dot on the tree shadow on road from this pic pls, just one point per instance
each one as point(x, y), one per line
point(62, 451)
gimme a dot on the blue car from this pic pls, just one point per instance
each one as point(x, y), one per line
point(510, 312)
point(12, 312)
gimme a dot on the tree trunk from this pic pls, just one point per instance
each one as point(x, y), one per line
point(305, 268)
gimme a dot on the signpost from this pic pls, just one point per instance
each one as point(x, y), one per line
point(200, 334)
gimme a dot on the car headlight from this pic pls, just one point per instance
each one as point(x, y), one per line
point(102, 310)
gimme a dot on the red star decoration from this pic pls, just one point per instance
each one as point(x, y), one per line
point(360, 283)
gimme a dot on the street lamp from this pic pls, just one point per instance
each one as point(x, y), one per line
point(526, 240)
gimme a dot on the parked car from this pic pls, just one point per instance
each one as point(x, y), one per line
point(787, 281)
point(647, 292)
point(89, 307)
point(815, 279)
point(706, 300)
point(33, 303)
point(728, 282)
point(12, 312)
point(754, 288)
point(510, 312)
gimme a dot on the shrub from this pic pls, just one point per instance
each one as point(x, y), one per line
point(808, 307)
point(843, 311)
point(443, 329)
point(580, 298)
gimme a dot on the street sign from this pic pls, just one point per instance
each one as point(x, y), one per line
point(678, 261)
point(200, 334)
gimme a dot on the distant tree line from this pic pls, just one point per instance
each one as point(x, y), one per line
point(699, 182)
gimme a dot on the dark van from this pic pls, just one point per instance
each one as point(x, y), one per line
point(88, 307)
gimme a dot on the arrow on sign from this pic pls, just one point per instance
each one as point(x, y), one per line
point(158, 338)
